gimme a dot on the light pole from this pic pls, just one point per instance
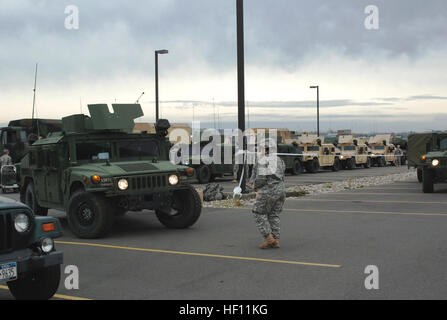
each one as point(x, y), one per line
point(318, 108)
point(157, 52)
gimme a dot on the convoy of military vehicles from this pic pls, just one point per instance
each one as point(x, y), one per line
point(98, 167)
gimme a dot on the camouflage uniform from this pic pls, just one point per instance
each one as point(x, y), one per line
point(268, 181)
point(5, 160)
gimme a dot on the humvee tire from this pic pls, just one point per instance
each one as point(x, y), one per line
point(40, 284)
point(381, 162)
point(189, 207)
point(313, 166)
point(89, 215)
point(204, 174)
point(367, 165)
point(31, 201)
point(337, 165)
point(419, 174)
point(350, 163)
point(296, 167)
point(427, 181)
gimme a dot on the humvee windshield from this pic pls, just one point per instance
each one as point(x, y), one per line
point(379, 147)
point(349, 148)
point(313, 148)
point(443, 144)
point(130, 149)
point(92, 150)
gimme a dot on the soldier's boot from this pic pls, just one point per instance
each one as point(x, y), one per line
point(276, 244)
point(268, 242)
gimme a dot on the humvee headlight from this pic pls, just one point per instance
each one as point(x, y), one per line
point(173, 180)
point(342, 157)
point(435, 163)
point(21, 222)
point(123, 184)
point(47, 245)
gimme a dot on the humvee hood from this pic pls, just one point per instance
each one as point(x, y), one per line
point(130, 168)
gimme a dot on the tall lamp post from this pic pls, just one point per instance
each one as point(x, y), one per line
point(241, 83)
point(318, 108)
point(157, 52)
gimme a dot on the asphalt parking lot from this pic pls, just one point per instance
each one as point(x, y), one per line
point(327, 241)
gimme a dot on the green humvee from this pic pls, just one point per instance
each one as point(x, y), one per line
point(418, 145)
point(96, 170)
point(433, 163)
point(29, 262)
point(292, 155)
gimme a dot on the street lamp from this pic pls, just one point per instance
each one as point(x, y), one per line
point(318, 108)
point(157, 52)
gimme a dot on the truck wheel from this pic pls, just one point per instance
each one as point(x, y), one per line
point(367, 165)
point(381, 162)
point(204, 174)
point(350, 163)
point(419, 174)
point(296, 167)
point(187, 208)
point(40, 284)
point(31, 201)
point(336, 166)
point(89, 215)
point(427, 181)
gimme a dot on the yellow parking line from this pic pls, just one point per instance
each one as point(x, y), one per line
point(370, 201)
point(58, 296)
point(201, 254)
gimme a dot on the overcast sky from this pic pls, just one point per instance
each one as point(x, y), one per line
point(389, 79)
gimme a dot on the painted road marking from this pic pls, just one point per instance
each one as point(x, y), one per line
point(200, 254)
point(58, 296)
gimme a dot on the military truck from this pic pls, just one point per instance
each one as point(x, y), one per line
point(431, 148)
point(29, 262)
point(96, 169)
point(317, 154)
point(292, 155)
point(382, 151)
point(206, 173)
point(354, 153)
point(418, 145)
point(20, 133)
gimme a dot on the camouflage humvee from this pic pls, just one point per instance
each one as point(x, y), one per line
point(317, 154)
point(432, 165)
point(96, 169)
point(382, 151)
point(292, 155)
point(418, 145)
point(29, 262)
point(354, 153)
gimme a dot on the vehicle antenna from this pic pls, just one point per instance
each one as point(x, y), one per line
point(138, 100)
point(34, 90)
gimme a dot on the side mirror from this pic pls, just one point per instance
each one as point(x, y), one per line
point(319, 142)
point(356, 142)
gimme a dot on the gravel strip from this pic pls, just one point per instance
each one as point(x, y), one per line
point(313, 189)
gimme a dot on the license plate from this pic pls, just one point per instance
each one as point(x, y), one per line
point(8, 271)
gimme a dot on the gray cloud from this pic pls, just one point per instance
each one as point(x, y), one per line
point(118, 37)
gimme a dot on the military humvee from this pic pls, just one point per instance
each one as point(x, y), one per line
point(317, 154)
point(96, 169)
point(292, 155)
point(29, 262)
point(382, 151)
point(354, 153)
point(433, 164)
point(418, 145)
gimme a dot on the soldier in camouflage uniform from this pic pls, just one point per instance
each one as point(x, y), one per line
point(268, 181)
